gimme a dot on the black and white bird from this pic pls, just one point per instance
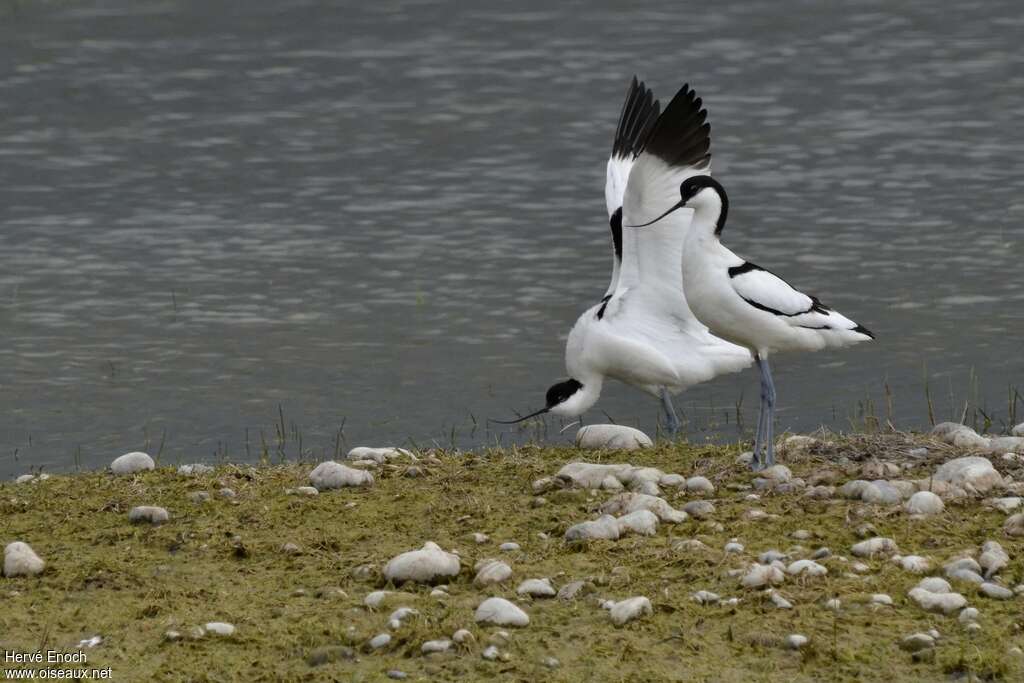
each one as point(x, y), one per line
point(744, 303)
point(642, 331)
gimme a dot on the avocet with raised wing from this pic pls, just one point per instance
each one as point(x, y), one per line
point(642, 332)
point(745, 303)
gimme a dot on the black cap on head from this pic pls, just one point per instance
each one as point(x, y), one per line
point(561, 392)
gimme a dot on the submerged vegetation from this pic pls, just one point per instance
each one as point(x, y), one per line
point(299, 610)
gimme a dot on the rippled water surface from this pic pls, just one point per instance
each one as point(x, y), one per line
point(387, 216)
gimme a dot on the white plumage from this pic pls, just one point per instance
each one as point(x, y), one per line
point(643, 332)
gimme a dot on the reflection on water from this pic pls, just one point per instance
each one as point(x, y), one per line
point(388, 217)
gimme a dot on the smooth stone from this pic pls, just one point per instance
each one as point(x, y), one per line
point(963, 574)
point(290, 549)
point(1006, 444)
point(226, 492)
point(431, 646)
point(400, 615)
point(779, 600)
point(625, 611)
point(993, 558)
point(625, 503)
point(733, 547)
point(501, 612)
point(375, 599)
point(759, 575)
point(423, 566)
point(821, 553)
point(820, 492)
point(587, 475)
point(377, 455)
point(914, 564)
point(801, 535)
point(973, 473)
point(537, 588)
point(333, 475)
point(194, 469)
point(674, 480)
point(705, 597)
point(397, 674)
point(1014, 525)
point(960, 436)
point(995, 591)
point(946, 603)
point(509, 546)
point(874, 546)
point(380, 640)
point(21, 560)
point(806, 568)
point(776, 473)
point(933, 584)
point(463, 636)
point(1008, 504)
point(574, 588)
point(769, 556)
point(699, 485)
point(881, 599)
point(917, 641)
point(796, 444)
point(605, 527)
point(699, 509)
point(129, 463)
point(199, 496)
point(25, 479)
point(643, 522)
point(492, 572)
point(220, 628)
point(833, 604)
point(490, 653)
point(924, 503)
point(306, 491)
point(795, 641)
point(615, 437)
point(148, 513)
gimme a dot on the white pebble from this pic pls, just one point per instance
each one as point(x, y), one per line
point(605, 527)
point(430, 646)
point(916, 642)
point(914, 564)
point(377, 455)
point(148, 513)
point(463, 636)
point(25, 479)
point(21, 560)
point(193, 470)
point(769, 556)
point(509, 547)
point(643, 522)
point(699, 509)
point(993, 558)
point(625, 503)
point(538, 588)
point(490, 653)
point(674, 480)
point(968, 614)
point(1014, 525)
point(881, 599)
point(220, 628)
point(424, 565)
point(373, 600)
point(400, 615)
point(305, 491)
point(705, 597)
point(995, 591)
point(733, 547)
point(934, 584)
point(492, 572)
point(380, 640)
point(762, 575)
point(946, 603)
point(699, 485)
point(501, 612)
point(795, 641)
point(615, 437)
point(333, 475)
point(833, 604)
point(1006, 505)
point(627, 610)
point(874, 546)
point(806, 568)
point(129, 463)
point(924, 503)
point(973, 473)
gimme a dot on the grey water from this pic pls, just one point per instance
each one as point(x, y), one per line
point(376, 222)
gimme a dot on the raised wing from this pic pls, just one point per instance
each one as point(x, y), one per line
point(636, 120)
point(678, 147)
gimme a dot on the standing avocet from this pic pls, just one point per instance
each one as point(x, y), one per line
point(745, 303)
point(642, 332)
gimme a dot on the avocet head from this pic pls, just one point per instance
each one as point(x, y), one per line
point(569, 399)
point(696, 192)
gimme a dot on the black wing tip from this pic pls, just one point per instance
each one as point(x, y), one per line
point(639, 114)
point(865, 331)
point(682, 135)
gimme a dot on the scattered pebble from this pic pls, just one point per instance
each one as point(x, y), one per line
point(491, 572)
point(995, 591)
point(605, 527)
point(615, 437)
point(551, 663)
point(509, 547)
point(779, 600)
point(881, 599)
point(914, 564)
point(148, 513)
point(90, 642)
point(643, 522)
point(946, 603)
point(968, 614)
point(1014, 525)
point(537, 588)
point(129, 463)
point(795, 641)
point(303, 491)
point(992, 558)
point(627, 610)
point(769, 556)
point(375, 599)
point(490, 653)
point(699, 509)
point(378, 455)
point(625, 503)
point(574, 588)
point(801, 535)
point(198, 496)
point(733, 547)
point(973, 473)
point(431, 646)
point(874, 546)
point(924, 503)
point(333, 475)
point(380, 640)
point(916, 642)
point(21, 560)
point(220, 628)
point(463, 636)
point(1006, 505)
point(806, 568)
point(191, 470)
point(759, 575)
point(501, 612)
point(423, 566)
point(705, 597)
point(699, 485)
point(397, 674)
point(290, 549)
point(833, 604)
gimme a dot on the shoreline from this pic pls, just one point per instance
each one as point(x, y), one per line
point(291, 573)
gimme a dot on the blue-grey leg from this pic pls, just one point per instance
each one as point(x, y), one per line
point(671, 421)
point(756, 461)
point(766, 374)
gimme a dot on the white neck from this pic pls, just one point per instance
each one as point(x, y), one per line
point(707, 209)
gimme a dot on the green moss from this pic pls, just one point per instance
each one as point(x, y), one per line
point(221, 561)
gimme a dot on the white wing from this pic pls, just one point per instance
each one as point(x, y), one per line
point(638, 116)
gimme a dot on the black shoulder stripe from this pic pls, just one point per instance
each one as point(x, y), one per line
point(604, 305)
point(864, 330)
point(639, 114)
point(744, 267)
point(616, 225)
point(681, 137)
